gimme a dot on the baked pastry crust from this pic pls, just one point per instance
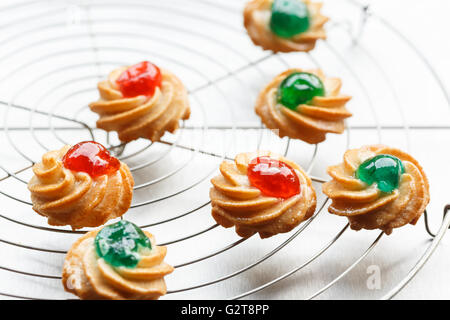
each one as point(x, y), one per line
point(310, 122)
point(72, 198)
point(141, 116)
point(90, 277)
point(366, 207)
point(236, 203)
point(257, 19)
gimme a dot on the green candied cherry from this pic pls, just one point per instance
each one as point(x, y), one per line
point(121, 243)
point(289, 18)
point(384, 170)
point(299, 88)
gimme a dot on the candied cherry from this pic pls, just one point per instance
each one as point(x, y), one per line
point(90, 157)
point(299, 88)
point(273, 178)
point(119, 244)
point(140, 79)
point(289, 18)
point(384, 170)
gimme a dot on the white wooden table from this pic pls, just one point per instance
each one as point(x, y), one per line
point(130, 33)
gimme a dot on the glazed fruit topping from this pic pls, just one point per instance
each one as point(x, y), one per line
point(289, 18)
point(90, 157)
point(120, 244)
point(273, 178)
point(384, 170)
point(140, 79)
point(299, 88)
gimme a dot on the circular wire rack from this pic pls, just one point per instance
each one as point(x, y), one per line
point(53, 53)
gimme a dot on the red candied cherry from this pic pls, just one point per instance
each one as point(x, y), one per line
point(273, 178)
point(140, 79)
point(90, 157)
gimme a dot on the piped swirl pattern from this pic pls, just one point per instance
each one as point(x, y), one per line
point(73, 198)
point(309, 122)
point(365, 206)
point(236, 203)
point(146, 117)
point(257, 19)
point(90, 277)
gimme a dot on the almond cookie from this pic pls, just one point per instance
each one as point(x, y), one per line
point(378, 187)
point(284, 25)
point(303, 105)
point(261, 192)
point(141, 101)
point(81, 186)
point(117, 262)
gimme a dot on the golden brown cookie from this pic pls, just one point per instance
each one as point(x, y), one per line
point(141, 116)
point(368, 207)
point(257, 15)
point(309, 122)
point(90, 277)
point(236, 202)
point(75, 198)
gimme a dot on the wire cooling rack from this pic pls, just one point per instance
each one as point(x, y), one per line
point(52, 53)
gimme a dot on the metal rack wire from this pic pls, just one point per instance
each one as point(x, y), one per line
point(90, 35)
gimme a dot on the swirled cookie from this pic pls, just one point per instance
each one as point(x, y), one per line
point(284, 25)
point(303, 105)
point(117, 262)
point(378, 187)
point(261, 192)
point(82, 186)
point(141, 101)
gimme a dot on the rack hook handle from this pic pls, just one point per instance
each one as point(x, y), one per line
point(427, 226)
